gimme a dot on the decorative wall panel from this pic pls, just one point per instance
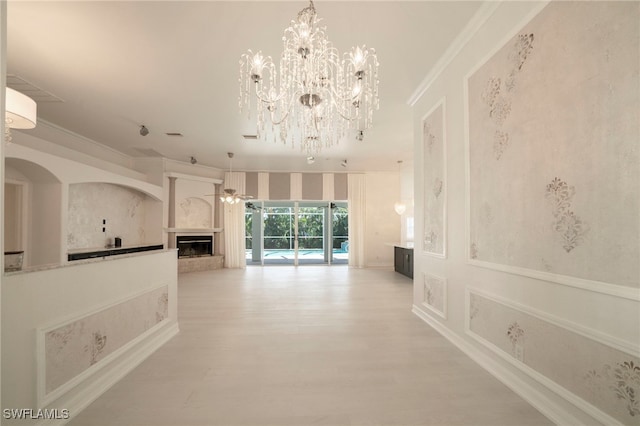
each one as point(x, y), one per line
point(606, 377)
point(71, 349)
point(553, 147)
point(433, 139)
point(435, 294)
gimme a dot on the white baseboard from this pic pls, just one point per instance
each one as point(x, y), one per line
point(90, 389)
point(542, 402)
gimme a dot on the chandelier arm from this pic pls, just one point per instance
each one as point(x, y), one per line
point(282, 119)
point(260, 94)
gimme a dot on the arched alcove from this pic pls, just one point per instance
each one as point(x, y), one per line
point(98, 212)
point(33, 212)
point(194, 212)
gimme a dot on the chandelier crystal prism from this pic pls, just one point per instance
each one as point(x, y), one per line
point(317, 96)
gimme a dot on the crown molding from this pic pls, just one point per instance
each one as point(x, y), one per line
point(483, 13)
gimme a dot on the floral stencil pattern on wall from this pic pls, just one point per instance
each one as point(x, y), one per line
point(568, 225)
point(434, 296)
point(96, 346)
point(194, 213)
point(74, 347)
point(162, 311)
point(473, 251)
point(515, 333)
point(552, 140)
point(498, 95)
point(603, 376)
point(434, 181)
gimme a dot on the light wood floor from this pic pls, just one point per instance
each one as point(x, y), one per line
point(312, 345)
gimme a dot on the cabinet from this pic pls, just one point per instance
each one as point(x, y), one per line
point(403, 260)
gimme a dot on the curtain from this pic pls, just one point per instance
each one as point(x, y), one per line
point(328, 193)
point(234, 226)
point(296, 186)
point(356, 196)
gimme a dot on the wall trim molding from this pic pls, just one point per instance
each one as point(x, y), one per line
point(89, 390)
point(583, 405)
point(442, 102)
point(543, 403)
point(610, 289)
point(589, 333)
point(44, 398)
point(445, 287)
point(85, 140)
point(616, 290)
point(184, 176)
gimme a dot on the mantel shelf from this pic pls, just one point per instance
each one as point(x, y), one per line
point(192, 230)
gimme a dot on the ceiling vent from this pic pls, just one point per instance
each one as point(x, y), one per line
point(31, 90)
point(250, 137)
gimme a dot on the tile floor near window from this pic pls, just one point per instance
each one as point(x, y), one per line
point(299, 346)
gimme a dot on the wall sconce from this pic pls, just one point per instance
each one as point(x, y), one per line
point(399, 207)
point(20, 112)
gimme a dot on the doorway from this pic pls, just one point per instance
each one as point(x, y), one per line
point(296, 233)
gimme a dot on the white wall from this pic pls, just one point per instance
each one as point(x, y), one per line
point(407, 197)
point(575, 314)
point(13, 217)
point(33, 301)
point(3, 78)
point(41, 212)
point(45, 230)
point(382, 223)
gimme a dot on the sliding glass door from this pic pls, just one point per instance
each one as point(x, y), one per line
point(296, 233)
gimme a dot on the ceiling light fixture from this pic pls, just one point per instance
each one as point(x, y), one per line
point(143, 130)
point(229, 195)
point(318, 95)
point(20, 112)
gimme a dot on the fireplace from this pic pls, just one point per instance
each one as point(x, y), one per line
point(195, 246)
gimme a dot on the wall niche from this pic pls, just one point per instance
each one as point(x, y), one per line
point(100, 212)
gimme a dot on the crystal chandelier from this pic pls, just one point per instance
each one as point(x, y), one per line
point(318, 96)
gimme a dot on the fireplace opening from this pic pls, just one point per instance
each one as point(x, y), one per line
point(195, 246)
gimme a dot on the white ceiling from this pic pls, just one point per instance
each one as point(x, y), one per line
point(173, 66)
